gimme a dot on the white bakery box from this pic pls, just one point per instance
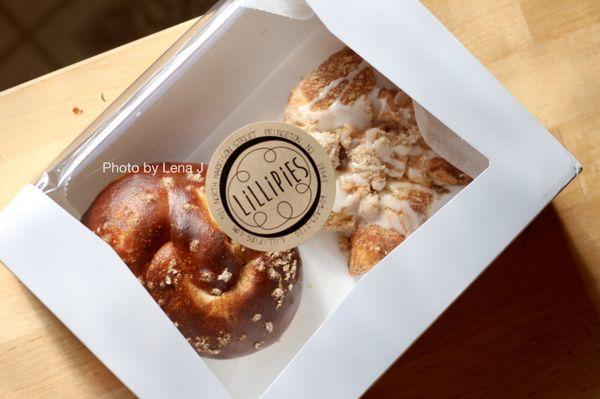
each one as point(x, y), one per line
point(236, 66)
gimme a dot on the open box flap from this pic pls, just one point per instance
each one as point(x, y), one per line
point(405, 42)
point(390, 306)
point(396, 301)
point(36, 235)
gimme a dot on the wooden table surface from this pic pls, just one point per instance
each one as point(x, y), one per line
point(526, 329)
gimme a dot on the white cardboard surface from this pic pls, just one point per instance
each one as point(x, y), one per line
point(297, 9)
point(395, 302)
point(225, 84)
point(246, 75)
point(65, 265)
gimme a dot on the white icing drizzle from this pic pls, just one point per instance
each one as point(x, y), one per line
point(338, 114)
point(324, 138)
point(325, 92)
point(359, 166)
point(344, 200)
point(355, 114)
point(376, 102)
point(411, 218)
point(387, 206)
point(399, 185)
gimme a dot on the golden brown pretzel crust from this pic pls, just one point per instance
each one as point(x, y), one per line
point(227, 300)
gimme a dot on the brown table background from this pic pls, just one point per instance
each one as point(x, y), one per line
point(526, 329)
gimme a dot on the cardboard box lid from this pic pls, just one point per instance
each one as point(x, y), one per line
point(392, 305)
point(104, 307)
point(527, 168)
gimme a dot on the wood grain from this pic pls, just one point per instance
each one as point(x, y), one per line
point(526, 328)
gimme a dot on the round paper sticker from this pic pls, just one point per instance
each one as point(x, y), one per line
point(270, 186)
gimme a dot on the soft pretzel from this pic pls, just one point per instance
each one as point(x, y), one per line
point(227, 300)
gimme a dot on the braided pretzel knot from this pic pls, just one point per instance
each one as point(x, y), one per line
point(227, 300)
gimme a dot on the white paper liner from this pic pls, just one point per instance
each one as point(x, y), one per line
point(448, 144)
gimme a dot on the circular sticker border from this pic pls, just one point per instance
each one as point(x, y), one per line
point(227, 168)
point(224, 156)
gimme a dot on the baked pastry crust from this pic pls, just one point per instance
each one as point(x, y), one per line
point(227, 300)
point(371, 243)
point(388, 179)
